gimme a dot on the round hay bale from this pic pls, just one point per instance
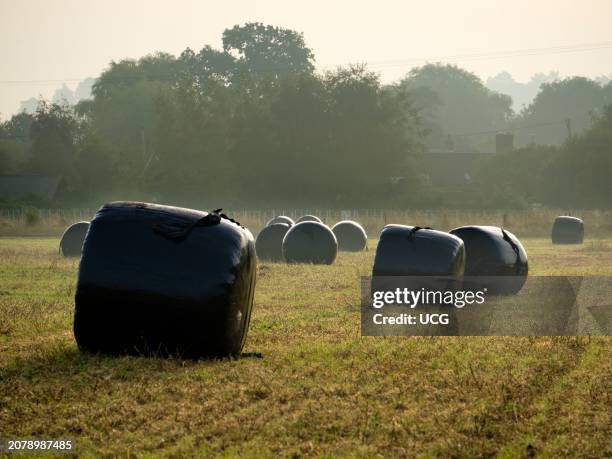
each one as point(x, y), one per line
point(281, 219)
point(495, 258)
point(567, 230)
point(417, 258)
point(309, 218)
point(350, 235)
point(414, 251)
point(71, 243)
point(269, 242)
point(310, 242)
point(163, 280)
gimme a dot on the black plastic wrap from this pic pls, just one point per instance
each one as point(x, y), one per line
point(269, 243)
point(308, 218)
point(281, 219)
point(310, 242)
point(568, 230)
point(405, 252)
point(164, 280)
point(413, 251)
point(350, 235)
point(71, 244)
point(492, 251)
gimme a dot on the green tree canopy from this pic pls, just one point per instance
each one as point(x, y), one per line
point(265, 50)
point(455, 102)
point(577, 99)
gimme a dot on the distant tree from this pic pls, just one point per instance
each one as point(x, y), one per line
point(122, 111)
point(522, 93)
point(159, 67)
point(516, 177)
point(463, 106)
point(188, 155)
point(63, 96)
point(576, 99)
point(373, 138)
point(54, 131)
point(424, 103)
point(95, 167)
point(300, 119)
point(15, 142)
point(574, 175)
point(18, 127)
point(84, 89)
point(209, 64)
point(340, 138)
point(268, 51)
point(28, 106)
point(168, 118)
point(580, 175)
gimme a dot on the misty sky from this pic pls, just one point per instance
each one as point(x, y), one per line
point(45, 42)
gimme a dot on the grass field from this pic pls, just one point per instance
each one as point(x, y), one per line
point(319, 389)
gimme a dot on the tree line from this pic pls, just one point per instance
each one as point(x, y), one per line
point(254, 125)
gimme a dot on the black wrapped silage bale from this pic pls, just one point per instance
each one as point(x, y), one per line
point(414, 251)
point(350, 235)
point(71, 244)
point(164, 280)
point(269, 242)
point(310, 242)
point(281, 219)
point(567, 230)
point(414, 258)
point(495, 259)
point(308, 218)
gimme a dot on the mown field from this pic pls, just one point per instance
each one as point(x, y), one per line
point(318, 388)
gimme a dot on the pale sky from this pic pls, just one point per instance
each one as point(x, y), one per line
point(44, 42)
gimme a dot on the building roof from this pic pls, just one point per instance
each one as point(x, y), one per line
point(21, 186)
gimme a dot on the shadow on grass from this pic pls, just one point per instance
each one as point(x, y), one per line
point(65, 360)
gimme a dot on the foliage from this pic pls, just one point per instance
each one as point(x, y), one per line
point(455, 102)
point(253, 125)
point(53, 133)
point(580, 175)
point(576, 99)
point(574, 175)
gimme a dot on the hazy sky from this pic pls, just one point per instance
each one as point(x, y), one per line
point(42, 41)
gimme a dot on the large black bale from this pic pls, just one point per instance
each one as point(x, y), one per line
point(164, 280)
point(350, 235)
point(568, 230)
point(269, 243)
point(71, 244)
point(414, 251)
point(309, 218)
point(492, 252)
point(415, 259)
point(281, 219)
point(310, 242)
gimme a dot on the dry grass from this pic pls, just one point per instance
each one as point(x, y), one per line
point(527, 223)
point(319, 388)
